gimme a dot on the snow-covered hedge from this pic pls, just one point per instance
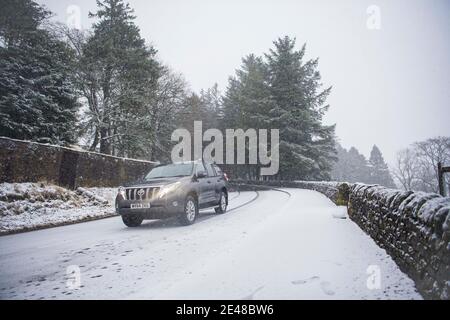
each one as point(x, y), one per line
point(413, 227)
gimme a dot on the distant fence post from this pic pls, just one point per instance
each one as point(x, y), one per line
point(441, 171)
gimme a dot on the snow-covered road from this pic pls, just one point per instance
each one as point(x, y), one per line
point(273, 245)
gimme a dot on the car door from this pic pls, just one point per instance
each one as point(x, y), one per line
point(212, 191)
point(219, 180)
point(203, 185)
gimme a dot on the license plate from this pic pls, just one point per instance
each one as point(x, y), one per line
point(140, 206)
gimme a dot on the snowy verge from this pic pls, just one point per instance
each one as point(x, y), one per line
point(32, 206)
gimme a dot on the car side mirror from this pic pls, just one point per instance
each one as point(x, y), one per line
point(201, 174)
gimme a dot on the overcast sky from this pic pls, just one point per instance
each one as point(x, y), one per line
point(390, 71)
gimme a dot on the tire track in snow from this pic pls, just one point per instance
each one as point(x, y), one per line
point(257, 195)
point(246, 203)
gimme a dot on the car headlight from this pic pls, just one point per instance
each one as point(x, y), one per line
point(122, 192)
point(168, 188)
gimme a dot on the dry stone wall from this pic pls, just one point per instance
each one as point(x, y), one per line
point(22, 161)
point(413, 227)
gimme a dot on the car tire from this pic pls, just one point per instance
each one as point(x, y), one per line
point(132, 221)
point(223, 203)
point(190, 211)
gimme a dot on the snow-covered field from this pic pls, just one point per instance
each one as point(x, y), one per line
point(270, 245)
point(29, 206)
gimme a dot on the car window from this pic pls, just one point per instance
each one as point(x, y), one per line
point(171, 170)
point(209, 169)
point(200, 168)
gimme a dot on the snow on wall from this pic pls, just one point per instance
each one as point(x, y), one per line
point(23, 161)
point(413, 227)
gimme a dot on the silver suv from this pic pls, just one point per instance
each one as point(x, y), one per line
point(178, 189)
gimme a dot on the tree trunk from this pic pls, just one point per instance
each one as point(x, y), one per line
point(105, 146)
point(95, 142)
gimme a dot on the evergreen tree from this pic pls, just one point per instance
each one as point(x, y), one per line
point(246, 104)
point(284, 92)
point(352, 166)
point(342, 168)
point(359, 170)
point(379, 171)
point(37, 96)
point(194, 111)
point(20, 20)
point(247, 100)
point(306, 145)
point(205, 107)
point(211, 100)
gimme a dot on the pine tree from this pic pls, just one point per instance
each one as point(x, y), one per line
point(307, 146)
point(211, 101)
point(246, 104)
point(379, 169)
point(359, 170)
point(20, 20)
point(351, 166)
point(342, 168)
point(38, 100)
point(194, 111)
point(247, 100)
point(284, 92)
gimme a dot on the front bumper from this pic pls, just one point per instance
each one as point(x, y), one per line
point(159, 208)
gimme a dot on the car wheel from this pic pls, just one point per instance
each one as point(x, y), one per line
point(222, 208)
point(190, 212)
point(132, 221)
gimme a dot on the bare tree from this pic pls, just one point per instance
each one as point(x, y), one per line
point(90, 116)
point(429, 153)
point(406, 171)
point(417, 167)
point(146, 126)
point(163, 105)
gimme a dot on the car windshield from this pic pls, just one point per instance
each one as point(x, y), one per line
point(171, 170)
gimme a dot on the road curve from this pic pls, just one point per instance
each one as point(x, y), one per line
point(270, 245)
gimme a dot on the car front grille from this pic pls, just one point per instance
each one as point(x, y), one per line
point(146, 193)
